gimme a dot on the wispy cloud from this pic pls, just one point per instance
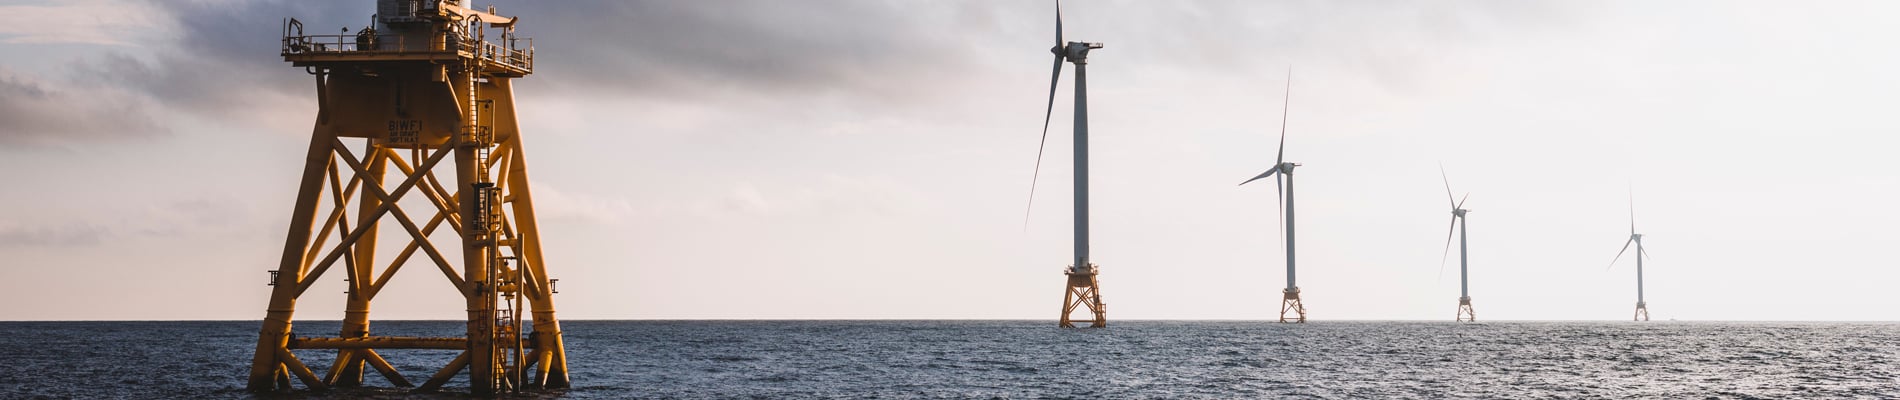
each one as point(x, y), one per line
point(76, 22)
point(212, 60)
point(709, 49)
point(190, 218)
point(839, 60)
point(552, 203)
point(35, 111)
point(77, 234)
point(824, 196)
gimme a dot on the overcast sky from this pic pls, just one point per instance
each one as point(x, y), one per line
point(871, 159)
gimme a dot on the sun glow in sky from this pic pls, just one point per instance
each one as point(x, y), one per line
point(871, 159)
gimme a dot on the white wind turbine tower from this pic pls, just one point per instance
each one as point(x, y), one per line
point(1081, 290)
point(1465, 313)
point(1290, 302)
point(1642, 308)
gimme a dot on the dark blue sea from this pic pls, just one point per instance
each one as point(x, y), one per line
point(1027, 359)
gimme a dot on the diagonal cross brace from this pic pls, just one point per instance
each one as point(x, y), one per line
point(415, 234)
point(407, 251)
point(330, 222)
point(388, 206)
point(342, 222)
point(438, 196)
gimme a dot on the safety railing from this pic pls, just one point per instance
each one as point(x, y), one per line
point(361, 43)
point(507, 51)
point(509, 55)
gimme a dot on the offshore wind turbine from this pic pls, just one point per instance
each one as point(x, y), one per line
point(1082, 289)
point(1642, 308)
point(1465, 313)
point(1290, 301)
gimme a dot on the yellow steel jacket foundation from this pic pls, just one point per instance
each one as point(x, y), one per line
point(428, 88)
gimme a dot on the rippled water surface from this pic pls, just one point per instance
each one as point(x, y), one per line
point(1029, 359)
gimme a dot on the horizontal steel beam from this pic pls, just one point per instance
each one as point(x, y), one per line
point(379, 342)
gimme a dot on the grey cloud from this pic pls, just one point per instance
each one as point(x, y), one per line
point(892, 54)
point(225, 52)
point(1392, 43)
point(689, 49)
point(70, 235)
point(849, 55)
point(221, 64)
point(224, 56)
point(204, 212)
point(223, 61)
point(34, 112)
point(190, 218)
point(71, 22)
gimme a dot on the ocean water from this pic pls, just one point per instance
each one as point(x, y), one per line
point(1028, 359)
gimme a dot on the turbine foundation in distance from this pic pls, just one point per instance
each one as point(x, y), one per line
point(1082, 292)
point(1291, 305)
point(1465, 314)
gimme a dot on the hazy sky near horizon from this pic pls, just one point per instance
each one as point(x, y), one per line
point(871, 159)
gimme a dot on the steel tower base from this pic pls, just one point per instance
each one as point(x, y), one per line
point(1642, 311)
point(1083, 291)
point(1465, 314)
point(1292, 304)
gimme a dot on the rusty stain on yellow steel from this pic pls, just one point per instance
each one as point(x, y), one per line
point(429, 80)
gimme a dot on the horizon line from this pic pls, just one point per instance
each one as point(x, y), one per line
point(947, 320)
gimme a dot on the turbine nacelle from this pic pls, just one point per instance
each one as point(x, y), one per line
point(1280, 164)
point(1076, 52)
point(1637, 240)
point(1281, 168)
point(1459, 212)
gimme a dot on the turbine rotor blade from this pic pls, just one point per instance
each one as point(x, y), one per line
point(1055, 77)
point(1280, 196)
point(1632, 212)
point(1441, 258)
point(1286, 104)
point(1441, 174)
point(1059, 42)
point(1619, 253)
point(1461, 202)
point(1271, 172)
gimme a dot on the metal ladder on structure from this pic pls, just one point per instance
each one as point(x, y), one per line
point(503, 284)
